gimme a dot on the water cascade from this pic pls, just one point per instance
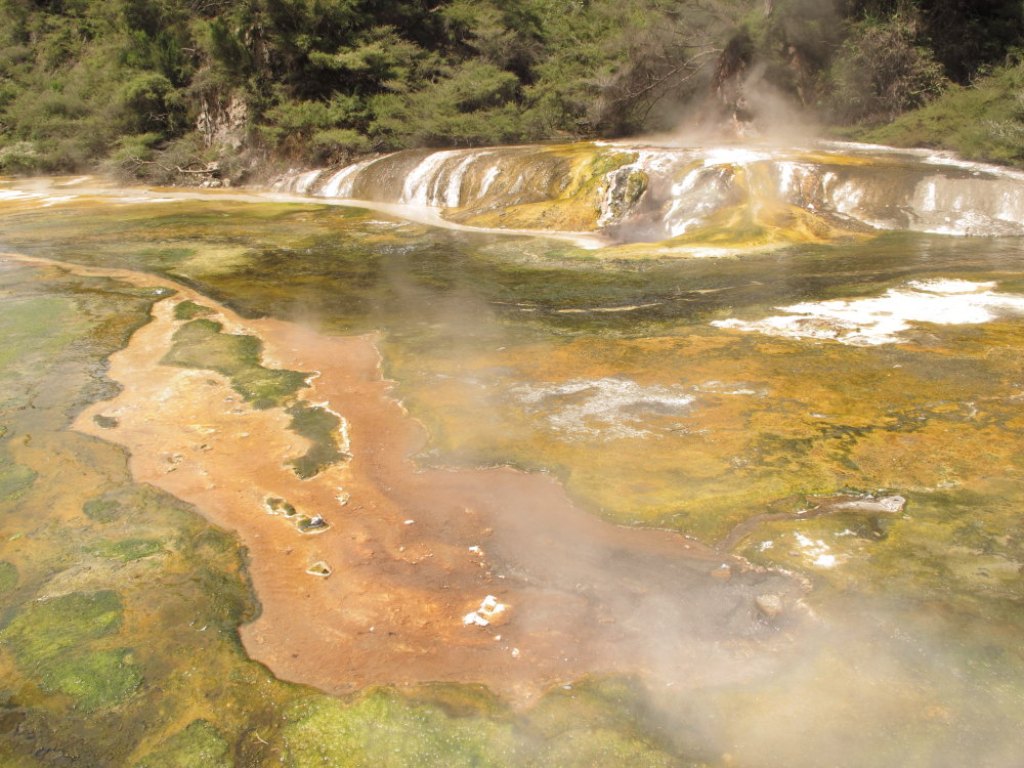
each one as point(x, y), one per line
point(726, 195)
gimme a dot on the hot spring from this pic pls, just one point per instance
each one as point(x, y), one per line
point(599, 454)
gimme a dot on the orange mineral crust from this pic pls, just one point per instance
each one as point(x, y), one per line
point(411, 575)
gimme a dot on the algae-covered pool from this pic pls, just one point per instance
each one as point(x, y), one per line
point(760, 408)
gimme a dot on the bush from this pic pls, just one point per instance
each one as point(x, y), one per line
point(882, 71)
point(337, 144)
point(150, 103)
point(20, 157)
point(984, 121)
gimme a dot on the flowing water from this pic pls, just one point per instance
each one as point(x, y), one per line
point(497, 468)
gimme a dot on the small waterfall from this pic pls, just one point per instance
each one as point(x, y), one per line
point(488, 179)
point(422, 185)
point(299, 184)
point(653, 193)
point(340, 184)
point(450, 179)
point(701, 192)
point(453, 189)
point(968, 206)
point(626, 186)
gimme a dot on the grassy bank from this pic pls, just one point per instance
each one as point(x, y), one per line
point(982, 121)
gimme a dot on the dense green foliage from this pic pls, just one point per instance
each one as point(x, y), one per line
point(179, 89)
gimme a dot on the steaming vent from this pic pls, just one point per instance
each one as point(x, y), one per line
point(655, 193)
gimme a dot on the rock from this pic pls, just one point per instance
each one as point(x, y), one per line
point(721, 573)
point(887, 505)
point(769, 604)
point(319, 568)
point(311, 525)
point(490, 610)
point(222, 122)
point(623, 189)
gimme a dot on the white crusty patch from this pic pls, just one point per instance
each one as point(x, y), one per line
point(881, 319)
point(489, 610)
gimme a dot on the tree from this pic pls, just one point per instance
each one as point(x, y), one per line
point(882, 69)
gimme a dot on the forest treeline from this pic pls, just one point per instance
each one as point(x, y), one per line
point(154, 88)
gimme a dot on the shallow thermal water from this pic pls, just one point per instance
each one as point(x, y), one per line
point(730, 401)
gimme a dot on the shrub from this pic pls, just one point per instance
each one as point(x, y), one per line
point(20, 157)
point(336, 144)
point(882, 71)
point(149, 102)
